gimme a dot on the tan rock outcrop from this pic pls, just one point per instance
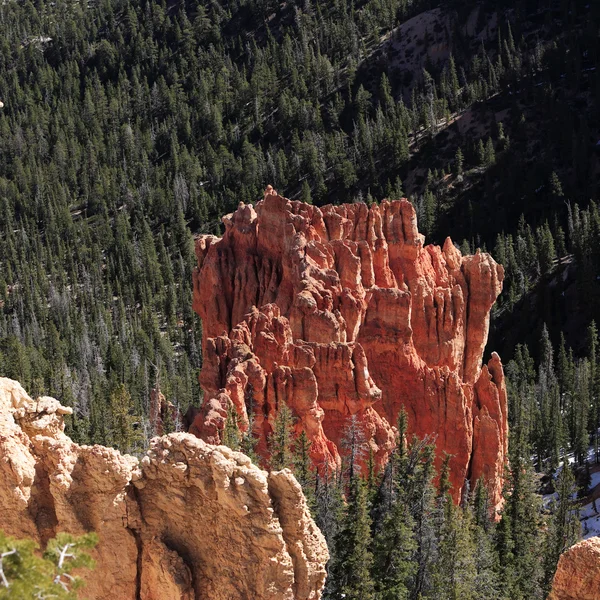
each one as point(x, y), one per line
point(341, 311)
point(191, 521)
point(578, 574)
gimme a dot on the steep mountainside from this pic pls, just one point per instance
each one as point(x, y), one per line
point(343, 312)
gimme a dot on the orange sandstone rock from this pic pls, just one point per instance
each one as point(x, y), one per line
point(577, 576)
point(341, 311)
point(191, 521)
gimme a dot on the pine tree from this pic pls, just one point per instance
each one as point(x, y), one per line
point(394, 548)
point(350, 574)
point(519, 533)
point(306, 195)
point(480, 153)
point(481, 505)
point(329, 507)
point(371, 480)
point(581, 403)
point(249, 440)
point(354, 448)
point(459, 160)
point(420, 495)
point(455, 571)
point(489, 154)
point(593, 356)
point(280, 441)
point(564, 528)
point(303, 469)
point(584, 480)
point(394, 545)
point(487, 581)
point(428, 212)
point(549, 433)
point(556, 186)
point(125, 429)
point(547, 250)
point(231, 432)
point(444, 484)
point(453, 82)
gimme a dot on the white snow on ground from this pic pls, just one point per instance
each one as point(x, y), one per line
point(591, 457)
point(590, 518)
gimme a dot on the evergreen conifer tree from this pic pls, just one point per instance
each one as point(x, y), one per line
point(249, 440)
point(394, 545)
point(231, 432)
point(489, 153)
point(280, 441)
point(519, 534)
point(125, 430)
point(564, 527)
point(351, 572)
point(454, 571)
point(459, 161)
point(303, 469)
point(24, 574)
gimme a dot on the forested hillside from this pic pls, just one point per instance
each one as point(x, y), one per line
point(128, 126)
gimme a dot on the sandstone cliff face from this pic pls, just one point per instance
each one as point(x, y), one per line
point(190, 521)
point(343, 311)
point(578, 574)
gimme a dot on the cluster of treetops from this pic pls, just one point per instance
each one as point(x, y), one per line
point(398, 534)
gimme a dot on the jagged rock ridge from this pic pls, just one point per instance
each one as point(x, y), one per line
point(190, 521)
point(341, 311)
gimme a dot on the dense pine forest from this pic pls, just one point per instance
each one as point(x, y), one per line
point(128, 126)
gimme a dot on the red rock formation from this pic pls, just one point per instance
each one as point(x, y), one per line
point(314, 379)
point(343, 311)
point(577, 576)
point(191, 521)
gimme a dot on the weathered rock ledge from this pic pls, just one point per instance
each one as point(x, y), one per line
point(191, 520)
